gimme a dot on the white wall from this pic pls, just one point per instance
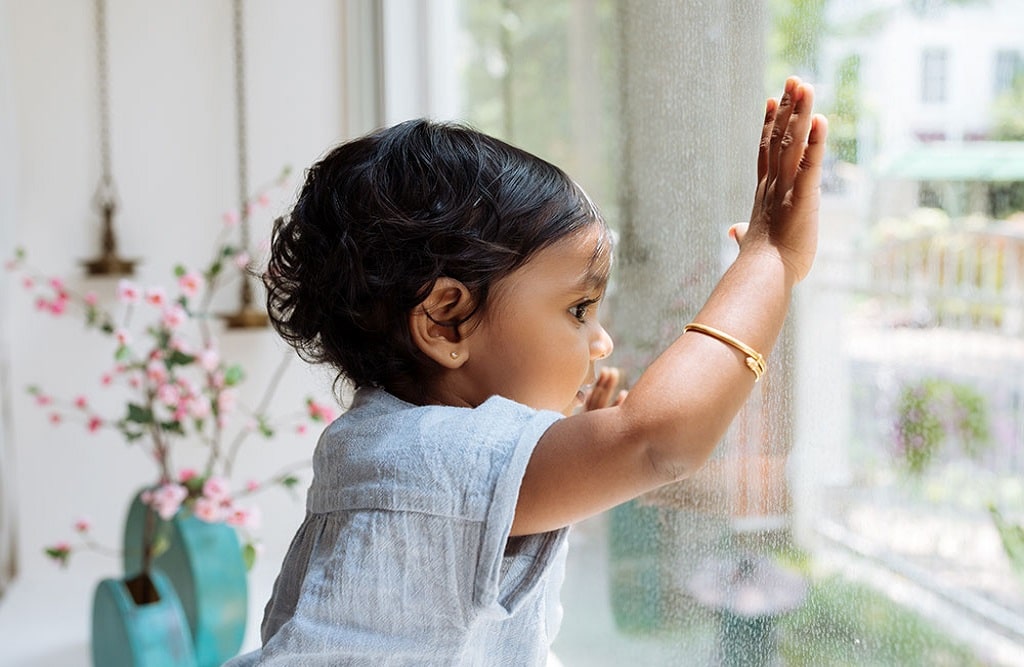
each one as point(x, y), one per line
point(173, 141)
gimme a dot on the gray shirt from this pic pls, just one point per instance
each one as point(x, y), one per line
point(404, 557)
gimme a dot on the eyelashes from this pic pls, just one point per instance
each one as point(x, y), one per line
point(581, 310)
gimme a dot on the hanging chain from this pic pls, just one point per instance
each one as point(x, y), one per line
point(243, 157)
point(105, 192)
point(246, 316)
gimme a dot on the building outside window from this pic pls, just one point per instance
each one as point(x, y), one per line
point(934, 65)
point(1009, 65)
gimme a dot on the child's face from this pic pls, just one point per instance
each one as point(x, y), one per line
point(540, 336)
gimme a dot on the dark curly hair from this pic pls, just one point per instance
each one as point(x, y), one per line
point(379, 219)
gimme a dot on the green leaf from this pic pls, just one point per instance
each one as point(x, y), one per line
point(172, 427)
point(233, 375)
point(213, 271)
point(179, 358)
point(132, 436)
point(179, 270)
point(289, 481)
point(59, 555)
point(123, 353)
point(249, 555)
point(139, 414)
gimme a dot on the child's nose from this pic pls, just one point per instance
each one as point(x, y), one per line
point(601, 346)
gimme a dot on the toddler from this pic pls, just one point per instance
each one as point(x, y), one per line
point(454, 281)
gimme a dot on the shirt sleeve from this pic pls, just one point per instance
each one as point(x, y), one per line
point(509, 569)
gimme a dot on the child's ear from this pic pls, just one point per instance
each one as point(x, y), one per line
point(430, 323)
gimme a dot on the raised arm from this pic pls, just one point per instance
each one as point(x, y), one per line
point(682, 405)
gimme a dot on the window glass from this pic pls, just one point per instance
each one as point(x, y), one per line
point(866, 507)
point(933, 75)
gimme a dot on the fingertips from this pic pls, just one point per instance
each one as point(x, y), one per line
point(819, 129)
point(803, 98)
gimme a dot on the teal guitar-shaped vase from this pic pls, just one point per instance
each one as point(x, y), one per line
point(204, 563)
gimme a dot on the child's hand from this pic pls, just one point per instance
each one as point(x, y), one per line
point(602, 393)
point(785, 216)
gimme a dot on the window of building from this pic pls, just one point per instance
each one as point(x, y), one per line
point(1009, 65)
point(934, 64)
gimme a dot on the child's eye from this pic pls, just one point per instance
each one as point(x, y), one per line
point(581, 310)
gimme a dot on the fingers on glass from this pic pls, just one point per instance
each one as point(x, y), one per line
point(766, 136)
point(796, 136)
point(780, 127)
point(808, 176)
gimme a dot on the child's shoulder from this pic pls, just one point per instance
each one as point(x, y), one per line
point(383, 443)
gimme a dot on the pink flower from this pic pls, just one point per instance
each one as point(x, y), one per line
point(106, 379)
point(319, 411)
point(59, 552)
point(252, 485)
point(43, 399)
point(242, 259)
point(226, 401)
point(174, 316)
point(83, 524)
point(27, 282)
point(156, 371)
point(57, 284)
point(166, 500)
point(209, 359)
point(168, 394)
point(187, 474)
point(156, 296)
point(244, 517)
point(123, 337)
point(127, 291)
point(199, 407)
point(230, 218)
point(95, 424)
point(58, 306)
point(180, 344)
point(263, 199)
point(301, 429)
point(188, 388)
point(190, 283)
point(206, 509)
point(55, 418)
point(91, 299)
point(216, 488)
point(42, 304)
point(81, 402)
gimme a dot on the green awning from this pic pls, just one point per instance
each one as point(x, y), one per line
point(984, 161)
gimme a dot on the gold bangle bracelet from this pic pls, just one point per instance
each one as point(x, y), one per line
point(755, 360)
